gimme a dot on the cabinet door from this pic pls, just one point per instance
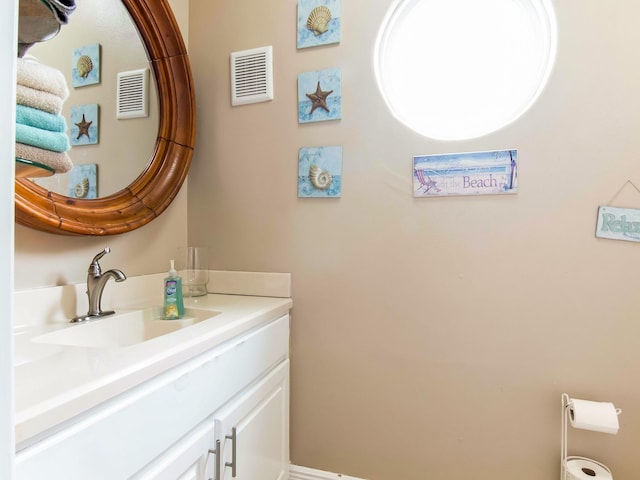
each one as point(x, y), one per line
point(253, 430)
point(188, 459)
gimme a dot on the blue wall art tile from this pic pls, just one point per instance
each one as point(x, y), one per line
point(319, 96)
point(85, 65)
point(84, 126)
point(320, 172)
point(318, 22)
point(83, 181)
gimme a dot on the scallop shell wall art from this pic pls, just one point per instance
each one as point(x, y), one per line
point(320, 172)
point(86, 65)
point(318, 22)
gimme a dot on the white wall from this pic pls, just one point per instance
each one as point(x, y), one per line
point(8, 28)
point(432, 338)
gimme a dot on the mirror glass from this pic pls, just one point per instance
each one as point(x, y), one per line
point(164, 167)
point(120, 148)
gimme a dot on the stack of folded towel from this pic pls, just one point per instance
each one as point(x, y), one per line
point(40, 128)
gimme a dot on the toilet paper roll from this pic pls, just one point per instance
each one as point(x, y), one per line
point(580, 468)
point(596, 416)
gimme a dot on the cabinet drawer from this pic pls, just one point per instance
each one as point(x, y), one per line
point(118, 438)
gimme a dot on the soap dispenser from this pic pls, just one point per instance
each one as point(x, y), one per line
point(173, 303)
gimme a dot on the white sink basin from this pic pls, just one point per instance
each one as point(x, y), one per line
point(25, 351)
point(123, 329)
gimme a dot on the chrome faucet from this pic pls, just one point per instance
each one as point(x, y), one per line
point(96, 280)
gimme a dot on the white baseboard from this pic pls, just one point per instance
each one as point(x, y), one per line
point(304, 473)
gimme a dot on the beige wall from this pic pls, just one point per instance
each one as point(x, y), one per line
point(43, 259)
point(432, 338)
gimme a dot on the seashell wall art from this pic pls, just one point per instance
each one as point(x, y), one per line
point(318, 22)
point(320, 172)
point(85, 65)
point(83, 181)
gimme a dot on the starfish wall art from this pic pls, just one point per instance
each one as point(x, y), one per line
point(84, 124)
point(319, 96)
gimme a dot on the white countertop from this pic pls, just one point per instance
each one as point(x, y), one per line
point(55, 383)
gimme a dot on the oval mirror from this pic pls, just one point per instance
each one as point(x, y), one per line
point(158, 184)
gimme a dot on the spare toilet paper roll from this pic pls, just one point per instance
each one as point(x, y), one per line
point(596, 416)
point(579, 468)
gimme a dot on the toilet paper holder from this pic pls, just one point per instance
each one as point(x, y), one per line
point(586, 415)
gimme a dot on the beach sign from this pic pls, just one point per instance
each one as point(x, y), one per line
point(475, 173)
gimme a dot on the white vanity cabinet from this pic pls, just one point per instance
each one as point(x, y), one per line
point(172, 426)
point(247, 439)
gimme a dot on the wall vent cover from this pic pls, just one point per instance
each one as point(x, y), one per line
point(132, 94)
point(252, 76)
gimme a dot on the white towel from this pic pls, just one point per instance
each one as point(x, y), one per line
point(59, 161)
point(30, 97)
point(32, 74)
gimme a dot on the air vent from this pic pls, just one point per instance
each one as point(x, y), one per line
point(252, 76)
point(132, 94)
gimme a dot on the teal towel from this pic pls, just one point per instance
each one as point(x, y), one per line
point(40, 119)
point(36, 137)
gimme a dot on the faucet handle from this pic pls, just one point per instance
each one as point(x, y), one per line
point(101, 254)
point(94, 268)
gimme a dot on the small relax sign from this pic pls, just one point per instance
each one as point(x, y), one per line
point(618, 224)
